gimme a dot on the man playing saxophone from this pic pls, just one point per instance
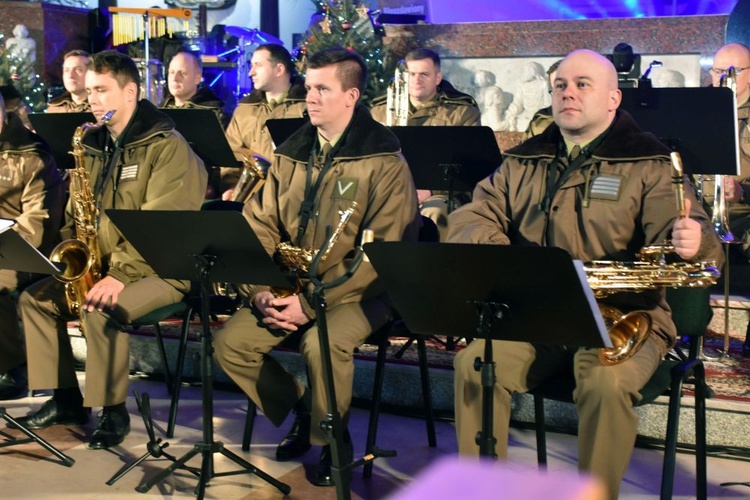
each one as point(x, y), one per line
point(340, 158)
point(135, 161)
point(597, 186)
point(32, 194)
point(737, 189)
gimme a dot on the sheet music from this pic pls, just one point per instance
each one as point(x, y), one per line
point(6, 224)
point(589, 294)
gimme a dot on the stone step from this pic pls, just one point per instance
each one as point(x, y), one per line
point(402, 389)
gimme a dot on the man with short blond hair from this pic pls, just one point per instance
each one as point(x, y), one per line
point(74, 99)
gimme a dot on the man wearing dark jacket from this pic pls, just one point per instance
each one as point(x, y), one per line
point(137, 161)
point(342, 161)
point(597, 186)
point(31, 194)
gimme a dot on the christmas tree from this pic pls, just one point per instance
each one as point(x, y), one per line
point(20, 73)
point(342, 23)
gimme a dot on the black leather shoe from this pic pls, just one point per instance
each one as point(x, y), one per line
point(55, 412)
point(324, 475)
point(13, 383)
point(746, 347)
point(297, 441)
point(114, 425)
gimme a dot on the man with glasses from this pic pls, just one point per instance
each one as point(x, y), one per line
point(737, 189)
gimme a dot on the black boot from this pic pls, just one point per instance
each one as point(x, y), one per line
point(13, 383)
point(746, 345)
point(297, 441)
point(324, 475)
point(64, 407)
point(114, 425)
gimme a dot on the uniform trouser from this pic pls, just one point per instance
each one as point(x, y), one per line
point(241, 348)
point(12, 352)
point(50, 357)
point(604, 397)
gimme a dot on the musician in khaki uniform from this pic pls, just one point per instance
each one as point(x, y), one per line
point(278, 93)
point(433, 101)
point(737, 188)
point(31, 193)
point(184, 76)
point(136, 161)
point(74, 99)
point(356, 160)
point(597, 186)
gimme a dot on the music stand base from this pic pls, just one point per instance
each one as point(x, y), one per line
point(12, 441)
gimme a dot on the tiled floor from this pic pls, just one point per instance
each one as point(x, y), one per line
point(28, 471)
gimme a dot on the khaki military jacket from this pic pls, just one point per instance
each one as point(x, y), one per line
point(64, 104)
point(450, 107)
point(157, 170)
point(619, 201)
point(31, 190)
point(367, 169)
point(247, 133)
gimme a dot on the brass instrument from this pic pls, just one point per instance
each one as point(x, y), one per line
point(81, 255)
point(719, 212)
point(252, 178)
point(629, 331)
point(298, 260)
point(397, 102)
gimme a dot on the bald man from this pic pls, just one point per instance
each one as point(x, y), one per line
point(577, 186)
point(737, 188)
point(183, 80)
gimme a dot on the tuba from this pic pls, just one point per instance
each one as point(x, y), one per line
point(81, 255)
point(297, 260)
point(397, 101)
point(253, 176)
point(628, 332)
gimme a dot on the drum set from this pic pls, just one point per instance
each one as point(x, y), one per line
point(226, 61)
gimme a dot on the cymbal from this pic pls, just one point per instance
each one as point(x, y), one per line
point(251, 36)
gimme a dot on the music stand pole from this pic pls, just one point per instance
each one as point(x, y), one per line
point(16, 254)
point(488, 312)
point(205, 247)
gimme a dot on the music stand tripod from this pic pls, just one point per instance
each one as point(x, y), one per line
point(17, 254)
point(210, 246)
point(527, 294)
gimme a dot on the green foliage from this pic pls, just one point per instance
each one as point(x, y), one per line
point(342, 23)
point(21, 73)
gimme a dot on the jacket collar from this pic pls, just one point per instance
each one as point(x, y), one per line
point(626, 141)
point(364, 137)
point(203, 97)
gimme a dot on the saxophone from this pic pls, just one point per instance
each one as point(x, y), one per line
point(298, 260)
point(628, 332)
point(81, 256)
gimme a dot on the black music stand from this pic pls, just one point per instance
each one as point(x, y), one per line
point(450, 158)
point(202, 129)
point(17, 254)
point(528, 294)
point(699, 123)
point(205, 247)
point(58, 129)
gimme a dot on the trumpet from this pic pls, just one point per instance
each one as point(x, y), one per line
point(397, 98)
